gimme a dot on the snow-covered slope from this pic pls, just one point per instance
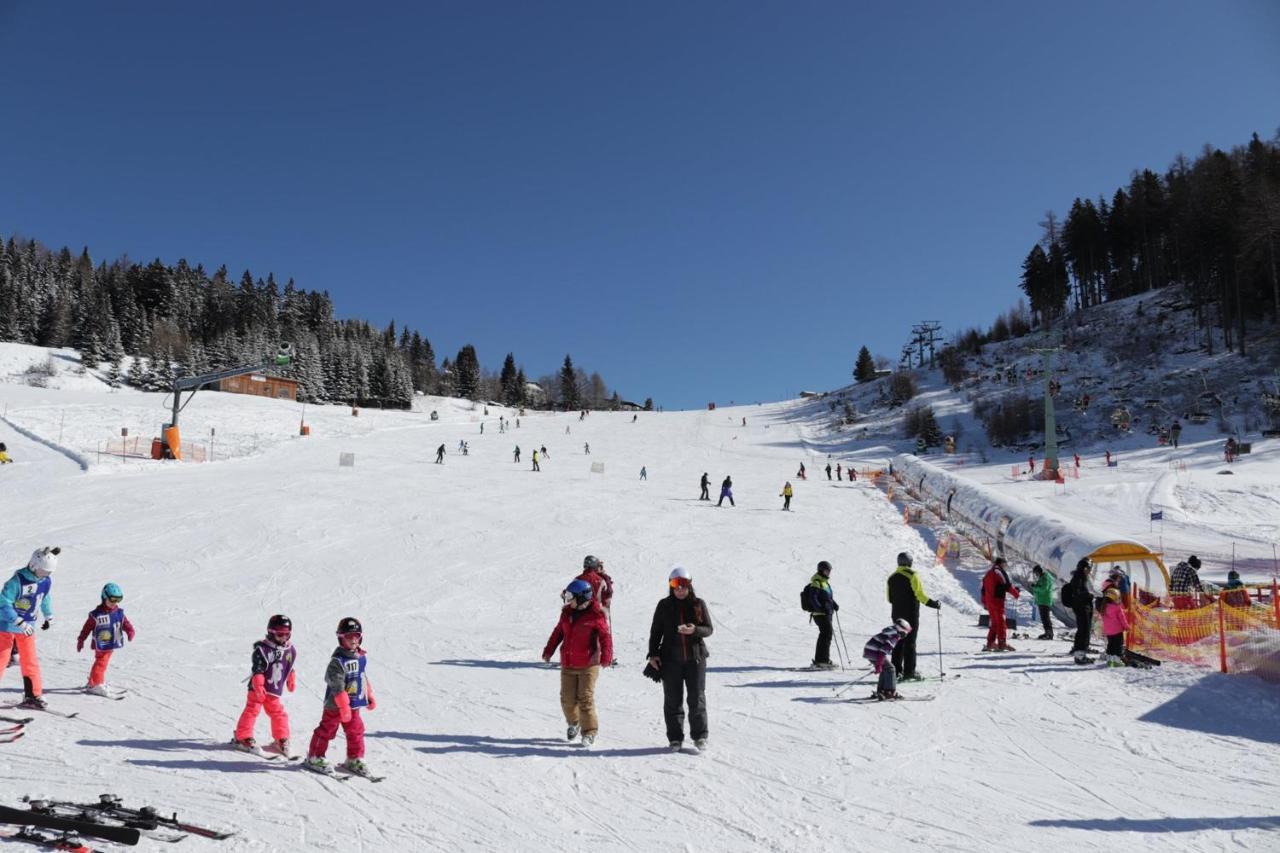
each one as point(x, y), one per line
point(455, 570)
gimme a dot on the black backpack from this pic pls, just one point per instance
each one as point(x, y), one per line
point(811, 600)
point(1067, 595)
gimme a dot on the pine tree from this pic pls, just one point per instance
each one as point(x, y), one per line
point(569, 386)
point(864, 369)
point(507, 380)
point(466, 368)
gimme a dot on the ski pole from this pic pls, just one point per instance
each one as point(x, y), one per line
point(862, 680)
point(941, 674)
point(839, 654)
point(842, 640)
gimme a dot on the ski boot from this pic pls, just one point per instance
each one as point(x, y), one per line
point(281, 747)
point(1005, 648)
point(675, 745)
point(915, 676)
point(317, 764)
point(588, 741)
point(822, 665)
point(34, 703)
point(701, 744)
point(246, 744)
point(1082, 659)
point(572, 732)
point(98, 690)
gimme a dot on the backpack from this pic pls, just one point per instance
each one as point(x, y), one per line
point(1067, 596)
point(811, 599)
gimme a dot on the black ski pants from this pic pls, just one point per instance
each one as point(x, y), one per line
point(1084, 627)
point(822, 652)
point(681, 681)
point(904, 654)
point(704, 496)
point(1045, 620)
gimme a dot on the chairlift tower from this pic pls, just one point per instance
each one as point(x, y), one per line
point(926, 334)
point(1051, 464)
point(194, 383)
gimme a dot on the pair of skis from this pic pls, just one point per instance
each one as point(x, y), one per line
point(346, 774)
point(110, 806)
point(18, 705)
point(11, 733)
point(66, 840)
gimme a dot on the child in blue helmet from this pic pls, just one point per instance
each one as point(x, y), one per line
point(109, 626)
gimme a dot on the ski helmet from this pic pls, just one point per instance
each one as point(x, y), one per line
point(280, 622)
point(1113, 594)
point(350, 625)
point(824, 568)
point(1036, 570)
point(578, 591)
point(112, 591)
point(590, 562)
point(679, 577)
point(1083, 565)
point(904, 559)
point(44, 560)
point(903, 625)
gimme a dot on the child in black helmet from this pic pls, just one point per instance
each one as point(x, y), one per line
point(271, 675)
point(347, 690)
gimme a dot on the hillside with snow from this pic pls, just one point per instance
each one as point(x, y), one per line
point(456, 569)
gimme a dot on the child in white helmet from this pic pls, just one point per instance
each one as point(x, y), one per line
point(879, 650)
point(21, 597)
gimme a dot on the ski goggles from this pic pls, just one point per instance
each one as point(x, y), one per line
point(280, 635)
point(681, 583)
point(115, 599)
point(356, 635)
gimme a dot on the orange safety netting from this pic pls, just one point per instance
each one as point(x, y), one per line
point(1234, 632)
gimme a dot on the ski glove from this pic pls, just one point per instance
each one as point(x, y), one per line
point(932, 603)
point(28, 628)
point(292, 682)
point(47, 622)
point(343, 701)
point(256, 687)
point(79, 645)
point(373, 703)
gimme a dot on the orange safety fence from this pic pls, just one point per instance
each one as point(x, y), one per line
point(1234, 632)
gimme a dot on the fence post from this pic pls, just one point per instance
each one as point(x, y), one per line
point(1222, 635)
point(1275, 601)
point(1135, 636)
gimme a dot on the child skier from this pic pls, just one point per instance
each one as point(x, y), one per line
point(109, 627)
point(1114, 623)
point(4, 454)
point(271, 674)
point(786, 495)
point(25, 593)
point(879, 650)
point(347, 690)
point(586, 644)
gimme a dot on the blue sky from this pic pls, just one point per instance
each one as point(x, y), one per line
point(701, 201)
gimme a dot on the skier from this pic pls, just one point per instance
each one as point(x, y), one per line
point(466, 449)
point(462, 445)
point(1108, 457)
point(4, 454)
point(644, 473)
point(517, 454)
point(1114, 623)
point(906, 594)
point(347, 690)
point(996, 584)
point(543, 450)
point(1078, 595)
point(1236, 594)
point(536, 467)
point(271, 673)
point(839, 472)
point(25, 593)
point(705, 483)
point(677, 649)
point(566, 429)
point(744, 421)
point(820, 602)
point(586, 448)
point(1042, 587)
point(853, 475)
point(1230, 449)
point(440, 455)
point(107, 623)
point(800, 473)
point(1031, 464)
point(879, 650)
point(786, 496)
point(726, 491)
point(586, 644)
point(1185, 587)
point(601, 584)
point(633, 418)
point(828, 470)
point(482, 427)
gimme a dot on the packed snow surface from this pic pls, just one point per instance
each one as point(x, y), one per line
point(455, 571)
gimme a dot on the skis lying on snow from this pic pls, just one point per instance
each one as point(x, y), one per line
point(10, 735)
point(64, 841)
point(119, 834)
point(146, 817)
point(19, 720)
point(53, 711)
point(1133, 658)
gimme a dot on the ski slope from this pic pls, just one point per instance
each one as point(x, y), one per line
point(455, 571)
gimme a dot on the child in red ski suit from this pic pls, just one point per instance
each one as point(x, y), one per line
point(107, 623)
point(347, 690)
point(271, 674)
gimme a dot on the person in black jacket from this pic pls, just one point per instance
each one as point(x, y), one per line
point(822, 605)
point(905, 597)
point(706, 485)
point(1082, 594)
point(681, 623)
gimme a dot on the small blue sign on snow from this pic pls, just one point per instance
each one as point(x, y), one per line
point(1157, 516)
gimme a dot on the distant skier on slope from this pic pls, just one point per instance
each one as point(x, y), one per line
point(516, 455)
point(270, 674)
point(440, 455)
point(27, 592)
point(906, 594)
point(347, 690)
point(677, 649)
point(705, 483)
point(109, 626)
point(879, 650)
point(536, 466)
point(4, 454)
point(828, 470)
point(586, 644)
point(726, 491)
point(787, 492)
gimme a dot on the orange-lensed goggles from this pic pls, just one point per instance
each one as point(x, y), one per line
point(680, 582)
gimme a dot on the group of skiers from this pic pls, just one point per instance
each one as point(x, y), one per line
point(840, 469)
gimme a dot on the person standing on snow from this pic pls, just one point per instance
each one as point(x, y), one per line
point(21, 597)
point(726, 491)
point(996, 585)
point(1114, 623)
point(1078, 594)
point(839, 472)
point(1185, 588)
point(601, 584)
point(1042, 587)
point(585, 643)
point(820, 602)
point(516, 455)
point(681, 624)
point(800, 473)
point(347, 690)
point(535, 461)
point(786, 496)
point(828, 470)
point(906, 594)
point(879, 650)
point(706, 485)
point(271, 674)
point(109, 626)
point(440, 455)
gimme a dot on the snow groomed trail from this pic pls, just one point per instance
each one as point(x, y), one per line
point(455, 571)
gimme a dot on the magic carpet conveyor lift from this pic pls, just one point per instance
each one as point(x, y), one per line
point(172, 440)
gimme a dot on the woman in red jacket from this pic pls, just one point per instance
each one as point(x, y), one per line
point(585, 645)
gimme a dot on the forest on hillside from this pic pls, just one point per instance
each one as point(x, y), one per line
point(179, 319)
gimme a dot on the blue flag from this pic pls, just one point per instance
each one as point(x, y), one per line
point(1157, 516)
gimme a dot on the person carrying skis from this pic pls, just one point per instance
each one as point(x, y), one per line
point(820, 602)
point(705, 483)
point(906, 594)
point(440, 455)
point(586, 644)
point(1114, 623)
point(879, 650)
point(271, 673)
point(347, 690)
point(786, 496)
point(109, 626)
point(1078, 595)
point(726, 491)
point(996, 585)
point(1185, 588)
point(677, 649)
point(22, 595)
point(1042, 587)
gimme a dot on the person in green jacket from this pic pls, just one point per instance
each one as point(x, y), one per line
point(1042, 586)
